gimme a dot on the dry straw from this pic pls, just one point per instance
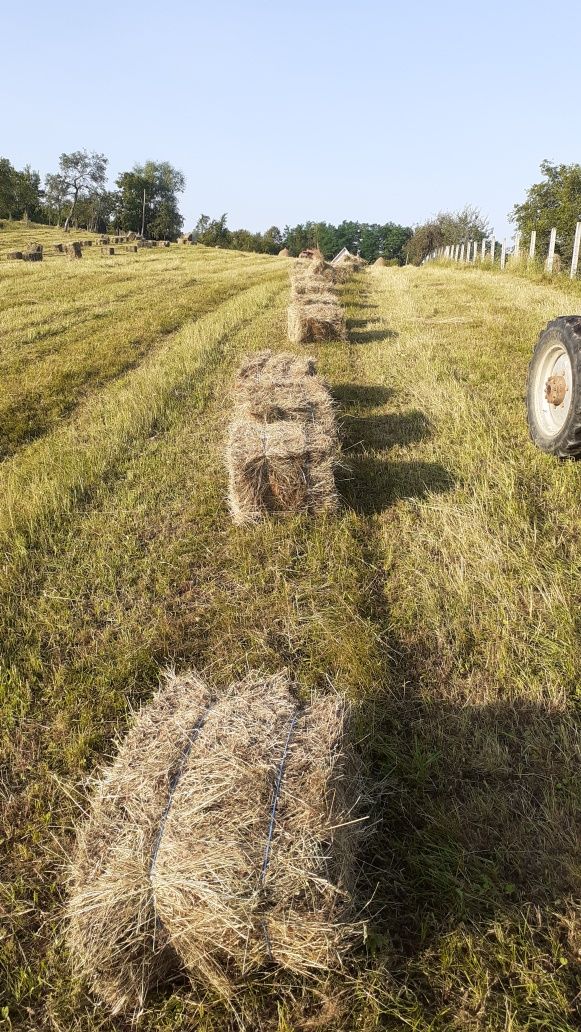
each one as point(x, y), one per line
point(283, 444)
point(314, 313)
point(114, 938)
point(219, 842)
point(320, 319)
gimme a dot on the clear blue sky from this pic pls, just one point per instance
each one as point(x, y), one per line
point(278, 112)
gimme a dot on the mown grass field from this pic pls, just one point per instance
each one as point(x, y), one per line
point(446, 593)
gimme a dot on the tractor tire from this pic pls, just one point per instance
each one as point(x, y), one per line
point(554, 389)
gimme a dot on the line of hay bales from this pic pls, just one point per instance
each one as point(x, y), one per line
point(220, 842)
point(314, 313)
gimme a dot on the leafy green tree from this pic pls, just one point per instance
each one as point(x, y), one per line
point(555, 201)
point(147, 200)
point(447, 227)
point(28, 195)
point(213, 232)
point(20, 193)
point(55, 197)
point(81, 173)
point(7, 189)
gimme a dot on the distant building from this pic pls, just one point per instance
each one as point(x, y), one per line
point(343, 253)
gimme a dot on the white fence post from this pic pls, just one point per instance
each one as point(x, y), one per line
point(492, 249)
point(503, 255)
point(462, 252)
point(533, 244)
point(483, 249)
point(517, 244)
point(551, 254)
point(575, 258)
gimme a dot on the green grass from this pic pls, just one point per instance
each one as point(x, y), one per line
point(445, 594)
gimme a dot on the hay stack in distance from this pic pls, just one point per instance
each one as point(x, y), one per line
point(218, 842)
point(284, 253)
point(283, 446)
point(74, 250)
point(379, 262)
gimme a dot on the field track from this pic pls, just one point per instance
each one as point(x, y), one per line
point(447, 591)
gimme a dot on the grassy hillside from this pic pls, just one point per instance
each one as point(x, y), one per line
point(446, 591)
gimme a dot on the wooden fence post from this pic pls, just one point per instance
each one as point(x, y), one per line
point(551, 254)
point(575, 258)
point(517, 243)
point(462, 252)
point(533, 244)
point(503, 255)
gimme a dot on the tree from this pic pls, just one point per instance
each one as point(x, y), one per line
point(213, 232)
point(147, 200)
point(81, 173)
point(7, 189)
point(20, 193)
point(28, 194)
point(55, 196)
point(447, 227)
point(555, 201)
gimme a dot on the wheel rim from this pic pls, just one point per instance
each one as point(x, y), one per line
point(553, 381)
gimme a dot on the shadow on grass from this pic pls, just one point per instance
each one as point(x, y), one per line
point(362, 433)
point(477, 814)
point(370, 485)
point(362, 394)
point(371, 336)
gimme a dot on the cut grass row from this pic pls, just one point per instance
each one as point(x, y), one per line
point(68, 327)
point(437, 593)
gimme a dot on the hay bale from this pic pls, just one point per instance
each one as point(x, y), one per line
point(59, 248)
point(116, 943)
point(280, 467)
point(14, 256)
point(235, 898)
point(219, 841)
point(379, 262)
point(284, 252)
point(283, 444)
point(35, 253)
point(74, 250)
point(108, 250)
point(317, 320)
point(132, 248)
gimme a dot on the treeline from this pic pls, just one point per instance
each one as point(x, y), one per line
point(145, 199)
point(369, 239)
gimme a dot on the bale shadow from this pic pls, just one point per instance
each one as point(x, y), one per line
point(375, 433)
point(477, 814)
point(361, 395)
point(370, 485)
point(372, 336)
point(354, 324)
